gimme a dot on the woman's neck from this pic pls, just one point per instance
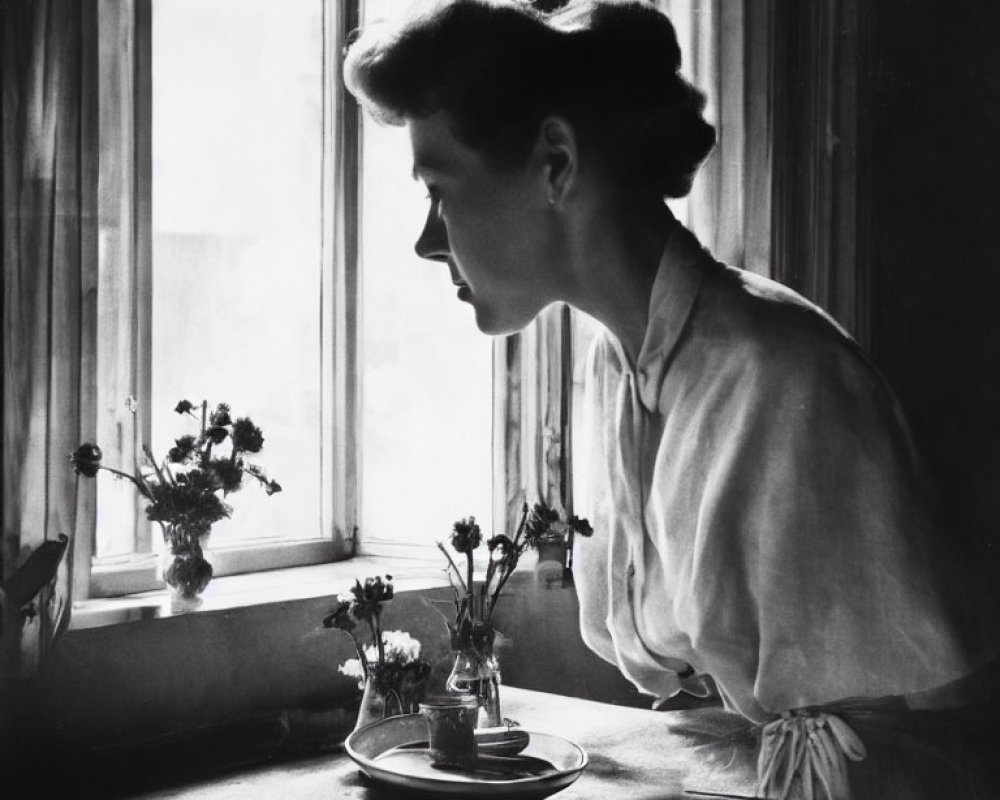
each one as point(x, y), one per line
point(615, 266)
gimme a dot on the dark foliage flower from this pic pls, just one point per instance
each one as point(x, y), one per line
point(217, 434)
point(220, 417)
point(540, 520)
point(247, 436)
point(188, 503)
point(472, 633)
point(183, 449)
point(580, 526)
point(186, 500)
point(340, 617)
point(501, 543)
point(228, 474)
point(465, 535)
point(86, 459)
point(369, 596)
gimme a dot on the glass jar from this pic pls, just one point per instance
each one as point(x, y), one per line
point(478, 674)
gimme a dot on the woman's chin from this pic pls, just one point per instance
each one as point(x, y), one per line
point(494, 324)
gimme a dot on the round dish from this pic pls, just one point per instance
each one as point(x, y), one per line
point(394, 752)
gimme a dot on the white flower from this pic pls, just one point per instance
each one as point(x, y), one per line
point(401, 647)
point(352, 669)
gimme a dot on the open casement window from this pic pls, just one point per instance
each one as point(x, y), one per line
point(227, 210)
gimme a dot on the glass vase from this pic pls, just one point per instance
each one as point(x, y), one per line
point(186, 569)
point(381, 700)
point(478, 674)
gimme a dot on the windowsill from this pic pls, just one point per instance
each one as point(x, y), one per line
point(259, 588)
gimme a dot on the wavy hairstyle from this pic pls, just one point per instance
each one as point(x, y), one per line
point(499, 67)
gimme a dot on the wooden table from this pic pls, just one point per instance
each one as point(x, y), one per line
point(633, 754)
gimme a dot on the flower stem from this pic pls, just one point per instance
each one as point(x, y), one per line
point(152, 461)
point(469, 585)
point(377, 632)
point(121, 474)
point(441, 547)
point(520, 526)
point(361, 655)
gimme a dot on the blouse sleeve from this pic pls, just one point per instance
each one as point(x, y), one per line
point(817, 574)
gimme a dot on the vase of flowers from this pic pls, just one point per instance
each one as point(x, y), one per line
point(389, 669)
point(473, 636)
point(186, 490)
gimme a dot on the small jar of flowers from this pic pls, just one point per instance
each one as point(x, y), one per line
point(388, 666)
point(186, 490)
point(473, 636)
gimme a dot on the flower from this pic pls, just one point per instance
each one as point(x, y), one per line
point(340, 617)
point(227, 473)
point(501, 542)
point(465, 536)
point(247, 436)
point(391, 659)
point(369, 597)
point(217, 434)
point(86, 459)
point(475, 604)
point(183, 449)
point(185, 498)
point(220, 417)
point(539, 523)
point(580, 526)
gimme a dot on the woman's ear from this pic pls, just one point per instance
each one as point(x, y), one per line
point(558, 147)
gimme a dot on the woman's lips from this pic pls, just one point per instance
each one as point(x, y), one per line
point(464, 292)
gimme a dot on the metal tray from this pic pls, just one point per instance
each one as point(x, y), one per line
point(394, 752)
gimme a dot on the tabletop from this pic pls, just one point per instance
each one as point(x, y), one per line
point(651, 755)
point(633, 753)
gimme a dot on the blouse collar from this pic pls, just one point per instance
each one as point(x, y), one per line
point(678, 280)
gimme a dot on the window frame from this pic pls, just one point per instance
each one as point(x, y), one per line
point(120, 153)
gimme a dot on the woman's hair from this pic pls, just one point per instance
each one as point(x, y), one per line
point(499, 67)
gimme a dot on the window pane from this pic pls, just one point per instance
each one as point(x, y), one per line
point(585, 328)
point(237, 124)
point(427, 369)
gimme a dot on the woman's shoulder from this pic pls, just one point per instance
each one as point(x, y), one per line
point(762, 318)
point(753, 329)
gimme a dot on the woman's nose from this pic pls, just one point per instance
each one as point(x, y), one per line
point(433, 240)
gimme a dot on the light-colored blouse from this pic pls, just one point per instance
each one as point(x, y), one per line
point(757, 506)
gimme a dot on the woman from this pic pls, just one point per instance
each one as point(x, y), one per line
point(760, 523)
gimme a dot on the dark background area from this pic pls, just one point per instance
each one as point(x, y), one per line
point(933, 115)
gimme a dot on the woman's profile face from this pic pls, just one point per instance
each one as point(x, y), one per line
point(488, 226)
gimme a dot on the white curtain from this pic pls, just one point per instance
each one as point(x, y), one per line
point(49, 302)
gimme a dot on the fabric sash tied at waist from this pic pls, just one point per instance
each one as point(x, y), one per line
point(803, 754)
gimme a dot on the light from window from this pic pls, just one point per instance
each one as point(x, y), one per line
point(427, 369)
point(237, 124)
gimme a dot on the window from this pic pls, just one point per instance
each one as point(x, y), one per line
point(258, 250)
point(427, 371)
point(237, 270)
point(219, 265)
